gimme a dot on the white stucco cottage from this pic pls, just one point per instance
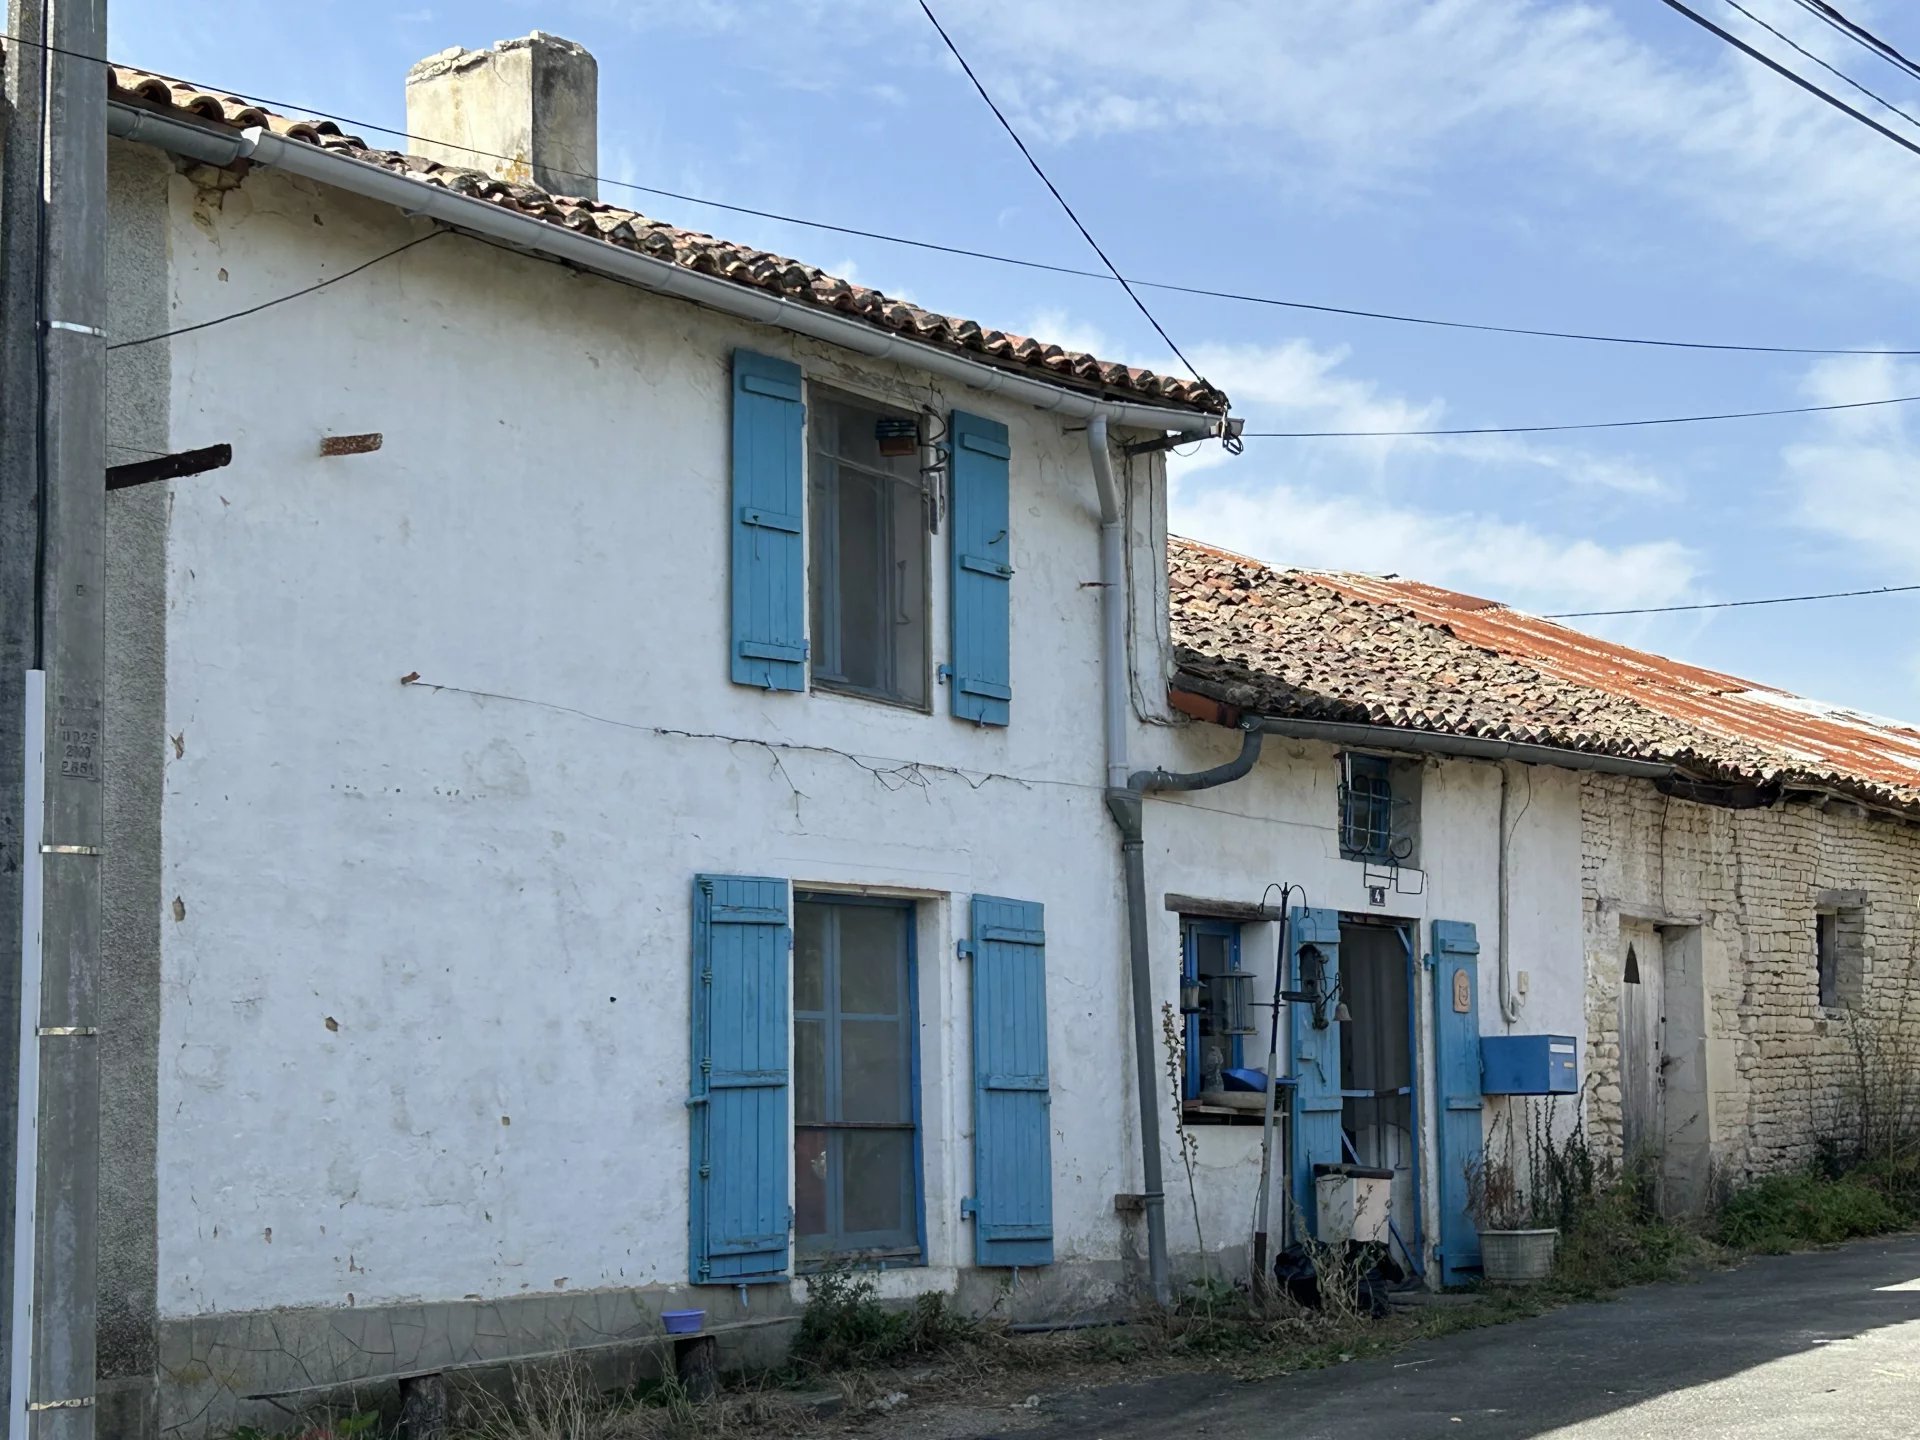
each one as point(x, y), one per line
point(654, 769)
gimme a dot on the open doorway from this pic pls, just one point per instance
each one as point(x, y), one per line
point(1378, 1111)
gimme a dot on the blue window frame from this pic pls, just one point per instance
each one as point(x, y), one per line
point(1213, 1001)
point(1366, 808)
point(856, 1135)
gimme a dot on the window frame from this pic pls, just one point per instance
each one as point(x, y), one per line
point(807, 1261)
point(1373, 770)
point(1192, 927)
point(820, 677)
point(1840, 949)
point(1826, 958)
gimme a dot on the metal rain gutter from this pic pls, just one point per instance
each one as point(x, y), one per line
point(1467, 747)
point(523, 232)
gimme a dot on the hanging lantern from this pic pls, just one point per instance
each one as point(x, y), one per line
point(896, 435)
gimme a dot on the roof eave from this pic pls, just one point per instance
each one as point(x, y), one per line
point(472, 215)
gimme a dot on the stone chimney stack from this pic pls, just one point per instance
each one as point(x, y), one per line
point(534, 101)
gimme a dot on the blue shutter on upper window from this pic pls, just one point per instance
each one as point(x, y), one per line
point(982, 570)
point(1456, 1046)
point(769, 563)
point(1012, 1202)
point(738, 1215)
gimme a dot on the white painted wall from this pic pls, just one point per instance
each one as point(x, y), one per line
point(426, 979)
point(1279, 825)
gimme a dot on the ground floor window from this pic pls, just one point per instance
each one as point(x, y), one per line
point(856, 1138)
point(1214, 1003)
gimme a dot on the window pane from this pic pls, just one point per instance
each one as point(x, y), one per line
point(878, 1172)
point(872, 955)
point(908, 620)
point(873, 1071)
point(809, 1184)
point(868, 533)
point(810, 1071)
point(810, 925)
point(1213, 954)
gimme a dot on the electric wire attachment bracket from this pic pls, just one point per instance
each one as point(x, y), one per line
point(77, 329)
point(71, 850)
point(80, 1403)
point(82, 1030)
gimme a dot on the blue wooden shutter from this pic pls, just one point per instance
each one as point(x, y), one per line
point(982, 572)
point(1012, 1202)
point(1456, 1043)
point(739, 1218)
point(1316, 1058)
point(769, 570)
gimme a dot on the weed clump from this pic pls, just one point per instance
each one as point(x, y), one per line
point(845, 1325)
point(1785, 1212)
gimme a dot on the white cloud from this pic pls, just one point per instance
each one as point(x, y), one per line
point(1504, 560)
point(1344, 97)
point(1859, 481)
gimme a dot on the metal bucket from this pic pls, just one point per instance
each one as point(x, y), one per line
point(1517, 1257)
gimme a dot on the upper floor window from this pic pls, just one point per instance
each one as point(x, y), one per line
point(869, 542)
point(1379, 809)
point(1366, 808)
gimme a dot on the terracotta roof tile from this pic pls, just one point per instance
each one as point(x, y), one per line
point(759, 269)
point(1386, 651)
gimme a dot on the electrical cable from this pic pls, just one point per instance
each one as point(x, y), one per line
point(1729, 604)
point(1798, 79)
point(280, 299)
point(1586, 425)
point(1172, 287)
point(1830, 69)
point(1085, 233)
point(1861, 36)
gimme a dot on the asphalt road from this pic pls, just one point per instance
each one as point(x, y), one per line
point(1821, 1346)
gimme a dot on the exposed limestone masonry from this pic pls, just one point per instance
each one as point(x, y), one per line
point(1742, 890)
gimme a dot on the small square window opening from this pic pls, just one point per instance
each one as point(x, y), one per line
point(1840, 947)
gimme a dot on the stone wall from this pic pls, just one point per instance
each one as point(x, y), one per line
point(1735, 894)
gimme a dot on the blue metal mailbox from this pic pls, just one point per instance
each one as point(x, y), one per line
point(1529, 1065)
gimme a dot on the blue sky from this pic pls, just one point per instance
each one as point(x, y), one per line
point(1594, 166)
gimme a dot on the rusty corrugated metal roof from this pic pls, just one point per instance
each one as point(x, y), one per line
point(1388, 651)
point(743, 264)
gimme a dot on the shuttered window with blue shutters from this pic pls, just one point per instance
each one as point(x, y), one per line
point(1012, 1202)
point(738, 1215)
point(982, 570)
point(1456, 1045)
point(1314, 939)
point(769, 565)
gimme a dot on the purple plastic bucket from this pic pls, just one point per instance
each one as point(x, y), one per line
point(683, 1322)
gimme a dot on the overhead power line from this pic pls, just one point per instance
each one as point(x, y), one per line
point(1584, 425)
point(1054, 189)
point(1174, 287)
point(1730, 604)
point(279, 299)
point(1805, 84)
point(1861, 36)
point(1833, 70)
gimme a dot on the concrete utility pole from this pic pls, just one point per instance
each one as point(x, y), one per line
point(62, 818)
point(23, 118)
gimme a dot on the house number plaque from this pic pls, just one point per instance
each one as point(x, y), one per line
point(1462, 993)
